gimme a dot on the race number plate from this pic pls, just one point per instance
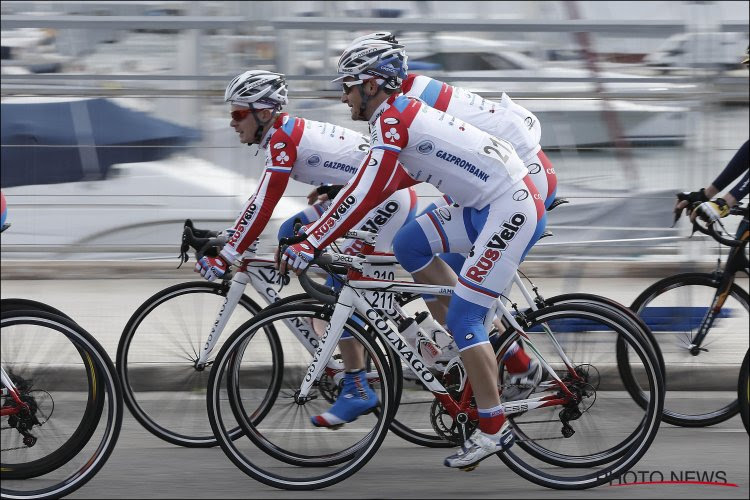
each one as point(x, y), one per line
point(379, 299)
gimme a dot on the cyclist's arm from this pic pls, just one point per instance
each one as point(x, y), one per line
point(259, 208)
point(380, 175)
point(736, 167)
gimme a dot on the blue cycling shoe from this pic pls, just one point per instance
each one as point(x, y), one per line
point(356, 398)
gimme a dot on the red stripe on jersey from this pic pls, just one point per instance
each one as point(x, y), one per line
point(299, 129)
point(538, 200)
point(549, 171)
point(407, 84)
point(444, 98)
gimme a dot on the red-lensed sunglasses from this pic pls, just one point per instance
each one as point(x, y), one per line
point(240, 114)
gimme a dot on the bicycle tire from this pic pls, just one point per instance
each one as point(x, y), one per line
point(672, 414)
point(355, 457)
point(198, 435)
point(613, 459)
point(104, 385)
point(743, 391)
point(14, 304)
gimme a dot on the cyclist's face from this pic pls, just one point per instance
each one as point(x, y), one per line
point(243, 123)
point(352, 96)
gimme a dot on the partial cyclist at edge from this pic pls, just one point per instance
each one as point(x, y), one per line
point(411, 142)
point(316, 153)
point(704, 203)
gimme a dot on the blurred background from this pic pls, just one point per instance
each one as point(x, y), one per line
point(114, 128)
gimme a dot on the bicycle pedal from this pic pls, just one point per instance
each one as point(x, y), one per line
point(469, 468)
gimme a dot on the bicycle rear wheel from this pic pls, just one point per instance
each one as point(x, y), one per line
point(75, 399)
point(700, 383)
point(284, 449)
point(156, 358)
point(605, 432)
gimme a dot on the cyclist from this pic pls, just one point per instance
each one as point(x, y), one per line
point(709, 210)
point(315, 153)
point(3, 212)
point(411, 142)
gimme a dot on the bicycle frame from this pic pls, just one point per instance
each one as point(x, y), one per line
point(350, 301)
point(13, 392)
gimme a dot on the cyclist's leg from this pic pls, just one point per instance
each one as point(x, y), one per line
point(507, 228)
point(543, 176)
point(358, 398)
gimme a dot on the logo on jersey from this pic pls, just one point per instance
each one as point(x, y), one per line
point(443, 215)
point(379, 218)
point(246, 218)
point(341, 166)
point(283, 157)
point(342, 209)
point(372, 162)
point(520, 195)
point(314, 160)
point(494, 247)
point(529, 121)
point(425, 147)
point(390, 121)
point(469, 167)
point(534, 168)
point(392, 135)
point(279, 145)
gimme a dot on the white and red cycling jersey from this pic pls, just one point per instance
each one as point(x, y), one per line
point(411, 142)
point(308, 151)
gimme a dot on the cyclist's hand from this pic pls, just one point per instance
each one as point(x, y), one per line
point(296, 257)
point(687, 200)
point(211, 267)
point(711, 211)
point(314, 196)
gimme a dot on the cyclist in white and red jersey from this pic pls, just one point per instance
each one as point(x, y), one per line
point(314, 153)
point(411, 142)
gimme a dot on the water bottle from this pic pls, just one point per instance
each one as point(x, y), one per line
point(434, 330)
point(427, 349)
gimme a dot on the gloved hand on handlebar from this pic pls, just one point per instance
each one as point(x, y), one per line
point(212, 267)
point(297, 257)
point(687, 200)
point(711, 211)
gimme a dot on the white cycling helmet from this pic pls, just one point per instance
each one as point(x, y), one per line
point(258, 89)
point(375, 55)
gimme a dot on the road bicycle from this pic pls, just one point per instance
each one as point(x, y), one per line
point(583, 395)
point(702, 326)
point(61, 402)
point(170, 340)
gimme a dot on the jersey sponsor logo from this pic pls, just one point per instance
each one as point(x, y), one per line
point(529, 121)
point(392, 135)
point(243, 223)
point(282, 157)
point(469, 167)
point(443, 215)
point(494, 247)
point(534, 168)
point(379, 219)
point(279, 145)
point(335, 217)
point(341, 166)
point(372, 162)
point(425, 147)
point(314, 160)
point(520, 195)
point(391, 121)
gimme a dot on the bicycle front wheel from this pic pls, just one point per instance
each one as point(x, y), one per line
point(156, 356)
point(743, 391)
point(284, 449)
point(602, 432)
point(700, 380)
point(74, 405)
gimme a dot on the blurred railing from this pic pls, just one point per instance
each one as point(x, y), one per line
point(590, 173)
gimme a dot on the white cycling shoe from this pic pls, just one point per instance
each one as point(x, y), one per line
point(480, 446)
point(521, 385)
